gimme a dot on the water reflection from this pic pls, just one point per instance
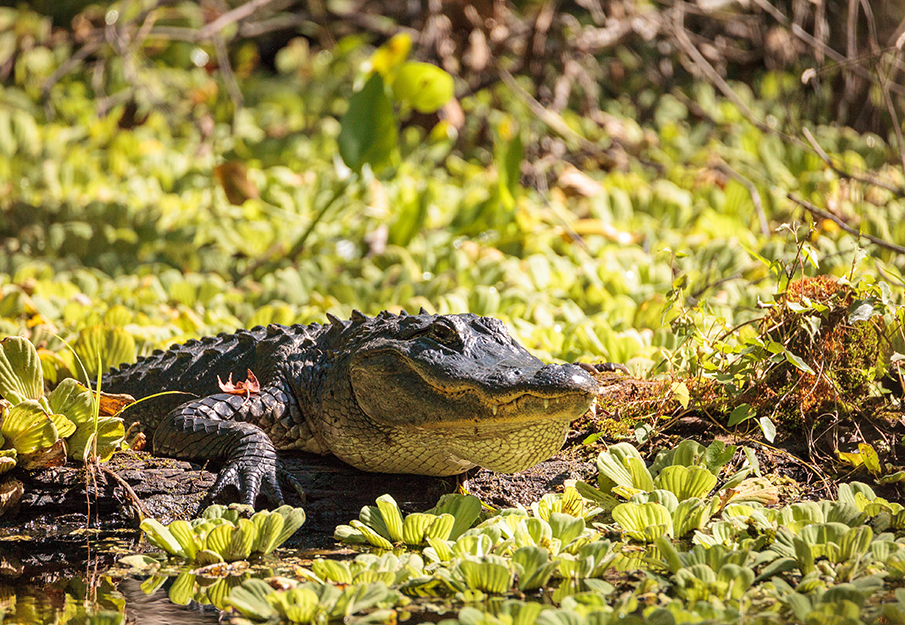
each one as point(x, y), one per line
point(101, 600)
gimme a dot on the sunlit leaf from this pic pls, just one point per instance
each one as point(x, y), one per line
point(21, 376)
point(368, 129)
point(424, 86)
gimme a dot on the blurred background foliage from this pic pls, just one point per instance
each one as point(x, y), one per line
point(606, 167)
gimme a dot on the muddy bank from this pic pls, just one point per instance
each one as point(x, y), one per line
point(67, 517)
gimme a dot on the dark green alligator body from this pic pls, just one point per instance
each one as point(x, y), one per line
point(423, 394)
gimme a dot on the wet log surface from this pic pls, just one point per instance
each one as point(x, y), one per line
point(67, 518)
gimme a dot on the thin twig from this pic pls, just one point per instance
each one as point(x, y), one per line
point(226, 68)
point(860, 177)
point(230, 17)
point(802, 34)
point(755, 196)
point(130, 494)
point(688, 47)
point(898, 249)
point(551, 119)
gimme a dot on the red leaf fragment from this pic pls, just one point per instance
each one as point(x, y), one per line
point(246, 387)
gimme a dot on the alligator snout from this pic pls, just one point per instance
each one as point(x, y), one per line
point(564, 378)
point(547, 380)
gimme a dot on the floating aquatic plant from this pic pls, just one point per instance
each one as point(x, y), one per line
point(383, 526)
point(222, 534)
point(33, 423)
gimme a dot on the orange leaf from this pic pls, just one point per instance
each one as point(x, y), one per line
point(244, 387)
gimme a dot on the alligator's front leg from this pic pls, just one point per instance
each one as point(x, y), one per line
point(214, 428)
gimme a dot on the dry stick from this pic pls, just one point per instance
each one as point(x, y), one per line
point(239, 13)
point(799, 32)
point(860, 177)
point(551, 119)
point(898, 249)
point(714, 76)
point(755, 195)
point(226, 68)
point(851, 50)
point(884, 83)
point(130, 494)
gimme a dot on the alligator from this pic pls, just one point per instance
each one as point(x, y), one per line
point(421, 394)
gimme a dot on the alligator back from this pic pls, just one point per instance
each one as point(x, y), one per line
point(190, 368)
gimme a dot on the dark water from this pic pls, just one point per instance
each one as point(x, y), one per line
point(61, 573)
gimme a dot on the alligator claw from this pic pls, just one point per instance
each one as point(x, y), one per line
point(253, 477)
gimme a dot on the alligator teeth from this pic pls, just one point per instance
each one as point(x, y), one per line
point(493, 409)
point(546, 403)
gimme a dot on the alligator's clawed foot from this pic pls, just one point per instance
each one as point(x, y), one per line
point(252, 477)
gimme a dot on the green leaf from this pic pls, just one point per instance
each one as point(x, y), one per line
point(680, 392)
point(331, 570)
point(686, 482)
point(768, 428)
point(862, 310)
point(268, 526)
point(113, 345)
point(251, 600)
point(293, 519)
point(296, 605)
point(184, 534)
point(424, 86)
point(643, 522)
point(110, 433)
point(465, 510)
point(72, 400)
point(415, 526)
point(370, 535)
point(160, 536)
point(740, 413)
point(798, 362)
point(21, 376)
point(870, 458)
point(28, 428)
point(392, 517)
point(441, 527)
point(534, 567)
point(490, 574)
point(368, 132)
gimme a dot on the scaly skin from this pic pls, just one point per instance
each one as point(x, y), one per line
point(423, 394)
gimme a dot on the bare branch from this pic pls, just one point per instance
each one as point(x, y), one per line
point(755, 196)
point(720, 83)
point(898, 249)
point(860, 177)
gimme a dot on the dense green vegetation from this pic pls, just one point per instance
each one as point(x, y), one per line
point(735, 231)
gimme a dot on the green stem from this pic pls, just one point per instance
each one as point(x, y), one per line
point(299, 246)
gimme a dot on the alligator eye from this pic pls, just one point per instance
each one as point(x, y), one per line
point(444, 334)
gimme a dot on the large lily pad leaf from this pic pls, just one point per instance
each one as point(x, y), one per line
point(251, 599)
point(622, 464)
point(296, 605)
point(73, 400)
point(490, 574)
point(465, 510)
point(21, 375)
point(392, 517)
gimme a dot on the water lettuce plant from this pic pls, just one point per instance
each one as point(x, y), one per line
point(33, 422)
point(225, 534)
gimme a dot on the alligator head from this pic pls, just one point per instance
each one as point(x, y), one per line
point(450, 392)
